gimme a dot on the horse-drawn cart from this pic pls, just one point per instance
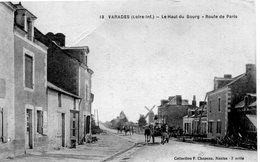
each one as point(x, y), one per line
point(157, 130)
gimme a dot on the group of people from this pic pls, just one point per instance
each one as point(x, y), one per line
point(126, 129)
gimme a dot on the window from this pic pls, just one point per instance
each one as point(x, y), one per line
point(28, 71)
point(218, 126)
point(59, 99)
point(39, 121)
point(219, 104)
point(74, 104)
point(74, 128)
point(210, 127)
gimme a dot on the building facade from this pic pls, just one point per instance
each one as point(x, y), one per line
point(30, 71)
point(63, 108)
point(68, 70)
point(7, 128)
point(222, 118)
point(173, 110)
point(36, 114)
point(195, 123)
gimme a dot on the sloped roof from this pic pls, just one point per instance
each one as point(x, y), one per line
point(230, 83)
point(54, 87)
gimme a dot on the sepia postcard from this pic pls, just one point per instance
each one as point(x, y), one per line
point(128, 81)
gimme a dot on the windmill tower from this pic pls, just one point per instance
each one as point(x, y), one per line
point(150, 114)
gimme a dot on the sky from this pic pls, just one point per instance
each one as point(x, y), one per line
point(138, 62)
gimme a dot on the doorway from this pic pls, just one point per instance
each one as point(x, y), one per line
point(29, 131)
point(63, 129)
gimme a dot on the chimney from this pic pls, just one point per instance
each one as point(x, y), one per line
point(227, 76)
point(194, 101)
point(202, 103)
point(250, 68)
point(58, 38)
point(178, 100)
point(163, 102)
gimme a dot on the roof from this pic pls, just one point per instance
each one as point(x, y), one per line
point(10, 5)
point(19, 6)
point(253, 119)
point(233, 81)
point(54, 87)
point(77, 48)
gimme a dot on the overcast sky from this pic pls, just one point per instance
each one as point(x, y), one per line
point(140, 62)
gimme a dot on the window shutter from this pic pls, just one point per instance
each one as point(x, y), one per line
point(28, 71)
point(45, 123)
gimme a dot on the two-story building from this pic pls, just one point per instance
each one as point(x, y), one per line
point(195, 123)
point(68, 72)
point(221, 112)
point(30, 72)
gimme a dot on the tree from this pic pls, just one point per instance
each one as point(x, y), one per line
point(142, 122)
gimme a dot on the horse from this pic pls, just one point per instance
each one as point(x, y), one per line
point(147, 134)
point(119, 129)
point(165, 134)
point(126, 129)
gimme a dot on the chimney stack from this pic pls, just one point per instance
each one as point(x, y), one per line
point(250, 68)
point(58, 38)
point(164, 102)
point(178, 100)
point(227, 76)
point(194, 101)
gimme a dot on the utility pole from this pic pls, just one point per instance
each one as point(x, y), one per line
point(97, 118)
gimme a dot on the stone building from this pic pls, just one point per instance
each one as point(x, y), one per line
point(7, 136)
point(63, 130)
point(30, 73)
point(173, 110)
point(222, 118)
point(68, 71)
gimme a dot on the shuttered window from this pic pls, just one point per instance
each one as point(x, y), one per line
point(28, 71)
point(39, 121)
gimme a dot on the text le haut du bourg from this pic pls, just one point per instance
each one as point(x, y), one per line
point(167, 16)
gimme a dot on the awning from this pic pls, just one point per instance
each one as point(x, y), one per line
point(253, 119)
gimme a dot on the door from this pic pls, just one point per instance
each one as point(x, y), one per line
point(63, 129)
point(88, 124)
point(74, 125)
point(29, 140)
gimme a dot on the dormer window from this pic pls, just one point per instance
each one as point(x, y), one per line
point(24, 19)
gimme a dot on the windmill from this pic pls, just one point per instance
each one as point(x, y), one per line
point(150, 114)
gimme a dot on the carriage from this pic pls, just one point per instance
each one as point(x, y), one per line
point(157, 130)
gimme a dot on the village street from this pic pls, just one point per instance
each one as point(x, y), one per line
point(113, 146)
point(181, 151)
